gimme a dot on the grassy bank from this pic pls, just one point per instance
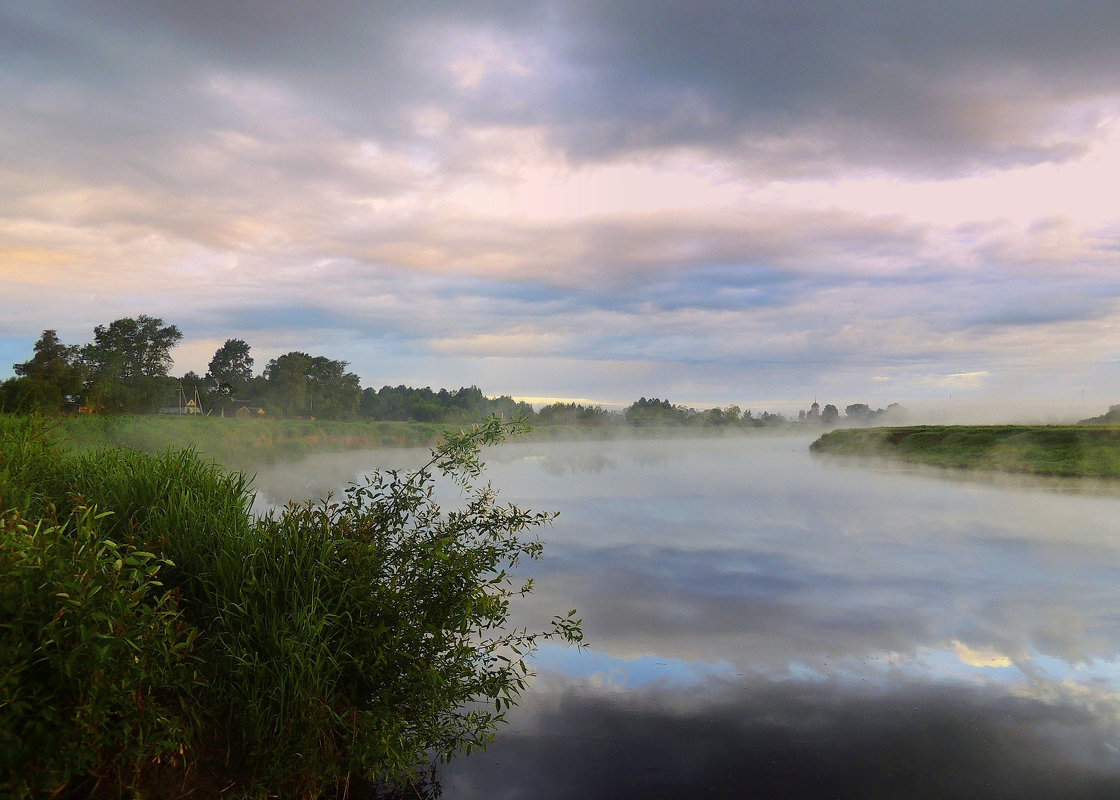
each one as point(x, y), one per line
point(1062, 450)
point(238, 443)
point(158, 640)
point(244, 443)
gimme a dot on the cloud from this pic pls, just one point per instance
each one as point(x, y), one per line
point(802, 88)
point(795, 193)
point(980, 658)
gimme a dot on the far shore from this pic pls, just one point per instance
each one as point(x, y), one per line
point(241, 443)
point(1069, 451)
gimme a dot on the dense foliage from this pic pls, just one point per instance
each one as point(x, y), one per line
point(654, 412)
point(155, 634)
point(467, 404)
point(126, 366)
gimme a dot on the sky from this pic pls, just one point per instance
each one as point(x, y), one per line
point(712, 201)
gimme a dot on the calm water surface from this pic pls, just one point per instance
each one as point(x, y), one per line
point(766, 624)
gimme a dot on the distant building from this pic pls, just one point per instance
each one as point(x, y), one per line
point(184, 406)
point(189, 407)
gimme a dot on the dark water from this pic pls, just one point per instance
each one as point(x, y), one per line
point(766, 624)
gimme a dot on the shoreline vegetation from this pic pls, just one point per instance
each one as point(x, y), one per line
point(157, 639)
point(237, 443)
point(1067, 451)
point(1087, 449)
point(243, 444)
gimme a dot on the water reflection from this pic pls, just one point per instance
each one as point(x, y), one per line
point(797, 740)
point(769, 624)
point(316, 476)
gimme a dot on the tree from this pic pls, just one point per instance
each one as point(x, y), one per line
point(829, 415)
point(29, 396)
point(858, 412)
point(127, 363)
point(655, 412)
point(769, 419)
point(334, 392)
point(466, 404)
point(717, 417)
point(572, 414)
point(286, 378)
point(192, 383)
point(47, 380)
point(53, 362)
point(300, 384)
point(231, 368)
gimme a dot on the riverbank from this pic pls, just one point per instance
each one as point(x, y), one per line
point(244, 443)
point(238, 443)
point(1073, 451)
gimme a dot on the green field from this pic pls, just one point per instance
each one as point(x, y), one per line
point(1073, 451)
point(238, 443)
point(244, 443)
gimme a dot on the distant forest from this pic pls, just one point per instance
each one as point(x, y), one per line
point(126, 370)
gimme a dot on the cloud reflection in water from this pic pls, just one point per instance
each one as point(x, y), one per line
point(767, 624)
point(796, 739)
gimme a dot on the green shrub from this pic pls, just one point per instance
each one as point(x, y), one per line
point(96, 663)
point(356, 636)
point(152, 626)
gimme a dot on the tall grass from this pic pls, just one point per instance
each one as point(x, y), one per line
point(155, 631)
point(237, 443)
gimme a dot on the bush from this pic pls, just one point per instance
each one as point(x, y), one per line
point(152, 627)
point(96, 663)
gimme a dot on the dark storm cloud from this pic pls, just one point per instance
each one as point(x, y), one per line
point(795, 740)
point(355, 66)
point(803, 86)
point(791, 87)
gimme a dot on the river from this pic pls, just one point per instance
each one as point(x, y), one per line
point(763, 623)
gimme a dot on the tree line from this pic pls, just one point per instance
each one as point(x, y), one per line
point(125, 369)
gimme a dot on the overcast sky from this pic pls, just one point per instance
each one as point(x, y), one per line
point(712, 201)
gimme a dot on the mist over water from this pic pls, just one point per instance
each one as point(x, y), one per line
point(765, 623)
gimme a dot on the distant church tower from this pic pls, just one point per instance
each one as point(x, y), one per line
point(814, 414)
